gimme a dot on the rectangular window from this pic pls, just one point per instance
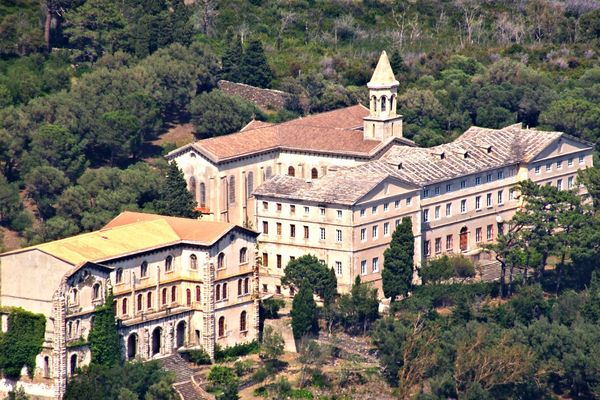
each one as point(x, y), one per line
point(293, 231)
point(488, 178)
point(581, 159)
point(265, 227)
point(292, 209)
point(375, 265)
point(570, 183)
point(449, 242)
point(427, 248)
point(437, 212)
point(500, 174)
point(511, 194)
point(362, 212)
point(537, 170)
point(408, 201)
point(363, 267)
point(386, 207)
point(500, 197)
point(559, 164)
point(559, 184)
point(570, 162)
point(448, 209)
point(489, 232)
point(488, 200)
point(478, 180)
point(265, 260)
point(279, 229)
point(279, 261)
point(425, 215)
point(463, 206)
point(306, 210)
point(478, 235)
point(397, 204)
point(436, 190)
point(548, 167)
point(338, 267)
point(478, 203)
point(374, 232)
point(338, 235)
point(363, 234)
point(278, 207)
point(425, 192)
point(438, 245)
point(292, 258)
point(339, 213)
point(463, 184)
point(374, 210)
point(386, 228)
point(265, 205)
point(448, 187)
point(305, 232)
point(322, 211)
point(397, 222)
point(322, 233)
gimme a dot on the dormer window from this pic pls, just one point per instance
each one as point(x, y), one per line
point(466, 154)
point(400, 166)
point(489, 149)
point(442, 156)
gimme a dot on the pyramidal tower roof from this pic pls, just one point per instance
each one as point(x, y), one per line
point(383, 76)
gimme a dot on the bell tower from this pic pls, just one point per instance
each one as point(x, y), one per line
point(382, 122)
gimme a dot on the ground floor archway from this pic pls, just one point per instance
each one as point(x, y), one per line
point(132, 344)
point(180, 340)
point(156, 340)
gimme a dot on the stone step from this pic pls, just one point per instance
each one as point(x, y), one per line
point(187, 391)
point(182, 370)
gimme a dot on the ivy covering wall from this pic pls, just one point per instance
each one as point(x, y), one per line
point(22, 342)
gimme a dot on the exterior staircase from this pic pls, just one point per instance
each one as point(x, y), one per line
point(186, 381)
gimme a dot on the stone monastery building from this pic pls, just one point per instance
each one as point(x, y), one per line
point(336, 184)
point(177, 283)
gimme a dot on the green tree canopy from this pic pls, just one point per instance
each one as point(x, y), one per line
point(304, 312)
point(255, 69)
point(398, 261)
point(320, 278)
point(174, 198)
point(103, 338)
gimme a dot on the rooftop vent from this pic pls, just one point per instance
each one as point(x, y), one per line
point(442, 156)
point(466, 154)
point(400, 166)
point(489, 149)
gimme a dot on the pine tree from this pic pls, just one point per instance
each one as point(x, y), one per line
point(398, 261)
point(304, 312)
point(231, 61)
point(397, 63)
point(255, 70)
point(174, 197)
point(104, 338)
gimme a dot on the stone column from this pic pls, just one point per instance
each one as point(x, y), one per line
point(256, 296)
point(59, 343)
point(208, 334)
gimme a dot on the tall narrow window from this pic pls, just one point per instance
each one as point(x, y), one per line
point(193, 187)
point(217, 292)
point(144, 269)
point(164, 296)
point(193, 262)
point(140, 302)
point(202, 195)
point(173, 294)
point(231, 189)
point(188, 297)
point(243, 255)
point(291, 171)
point(96, 291)
point(119, 277)
point(383, 103)
point(149, 300)
point(124, 307)
point(249, 184)
point(221, 261)
point(221, 326)
point(198, 293)
point(246, 285)
point(240, 287)
point(243, 321)
point(224, 291)
point(314, 173)
point(168, 263)
point(268, 172)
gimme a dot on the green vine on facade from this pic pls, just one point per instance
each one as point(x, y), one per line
point(104, 337)
point(22, 342)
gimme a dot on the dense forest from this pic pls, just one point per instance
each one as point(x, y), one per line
point(85, 86)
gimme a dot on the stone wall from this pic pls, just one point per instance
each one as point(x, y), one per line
point(266, 99)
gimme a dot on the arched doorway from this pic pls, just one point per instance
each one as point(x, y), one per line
point(180, 334)
point(73, 364)
point(46, 367)
point(464, 239)
point(132, 343)
point(156, 340)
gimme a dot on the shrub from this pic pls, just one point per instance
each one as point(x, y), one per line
point(261, 392)
point(239, 350)
point(242, 367)
point(270, 308)
point(198, 357)
point(260, 375)
point(463, 267)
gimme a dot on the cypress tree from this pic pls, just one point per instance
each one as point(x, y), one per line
point(174, 197)
point(104, 338)
point(398, 261)
point(304, 312)
point(397, 63)
point(231, 62)
point(255, 70)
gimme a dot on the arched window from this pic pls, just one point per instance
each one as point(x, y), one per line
point(198, 293)
point(96, 291)
point(269, 172)
point(392, 103)
point(224, 291)
point(291, 171)
point(243, 255)
point(231, 189)
point(140, 302)
point(221, 261)
point(314, 173)
point(46, 367)
point(464, 239)
point(217, 292)
point(77, 328)
point(168, 263)
point(173, 294)
point(73, 364)
point(188, 297)
point(124, 307)
point(383, 103)
point(119, 277)
point(193, 262)
point(374, 100)
point(246, 285)
point(193, 187)
point(202, 195)
point(221, 326)
point(144, 269)
point(240, 287)
point(164, 296)
point(249, 184)
point(69, 329)
point(149, 300)
point(243, 321)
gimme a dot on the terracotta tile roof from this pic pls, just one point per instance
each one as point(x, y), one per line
point(255, 124)
point(130, 233)
point(334, 131)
